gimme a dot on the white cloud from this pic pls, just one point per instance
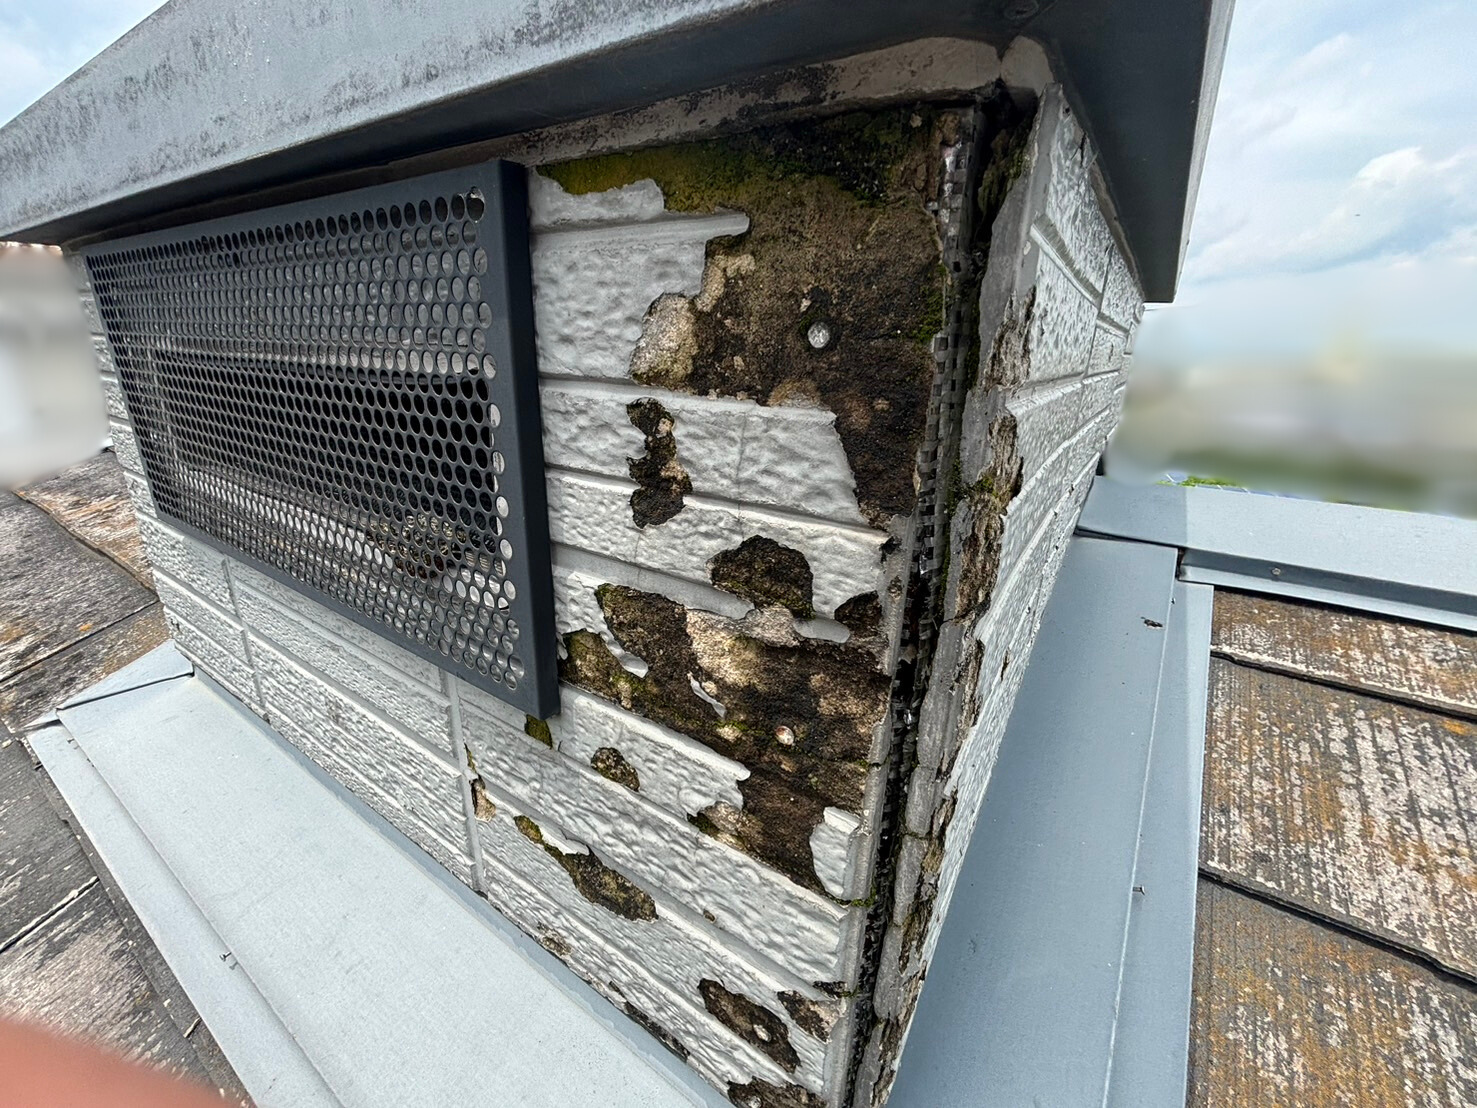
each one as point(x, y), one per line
point(1340, 183)
point(1398, 204)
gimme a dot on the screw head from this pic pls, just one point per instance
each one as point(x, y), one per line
point(819, 335)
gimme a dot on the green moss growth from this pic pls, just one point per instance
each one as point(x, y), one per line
point(538, 729)
point(931, 311)
point(860, 151)
point(1007, 161)
point(767, 573)
point(1194, 481)
point(593, 879)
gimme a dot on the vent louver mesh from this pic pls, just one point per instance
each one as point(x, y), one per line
point(342, 392)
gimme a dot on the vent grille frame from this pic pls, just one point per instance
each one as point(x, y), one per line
point(342, 393)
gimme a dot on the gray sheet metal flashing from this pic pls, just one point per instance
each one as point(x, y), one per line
point(1384, 598)
point(645, 1045)
point(1151, 1045)
point(336, 922)
point(163, 663)
point(266, 1058)
point(205, 99)
point(1404, 564)
point(1022, 1003)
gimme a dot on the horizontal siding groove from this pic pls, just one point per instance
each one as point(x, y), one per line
point(697, 930)
point(558, 237)
point(688, 593)
point(625, 386)
point(594, 782)
point(623, 488)
point(213, 606)
point(679, 744)
point(1025, 562)
point(322, 628)
point(1107, 321)
point(734, 1056)
point(1049, 240)
point(691, 594)
point(672, 853)
point(1026, 391)
point(195, 630)
point(1037, 475)
point(442, 755)
point(411, 824)
point(1038, 394)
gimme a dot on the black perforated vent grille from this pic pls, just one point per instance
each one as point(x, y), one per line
point(342, 392)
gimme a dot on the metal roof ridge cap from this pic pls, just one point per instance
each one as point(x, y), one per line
point(1413, 550)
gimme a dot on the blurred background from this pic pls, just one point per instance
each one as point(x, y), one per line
point(51, 402)
point(1324, 339)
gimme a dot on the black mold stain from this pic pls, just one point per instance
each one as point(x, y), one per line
point(807, 1014)
point(656, 1030)
point(861, 615)
point(799, 717)
point(767, 573)
point(661, 479)
point(611, 764)
point(594, 880)
point(763, 1094)
point(751, 1022)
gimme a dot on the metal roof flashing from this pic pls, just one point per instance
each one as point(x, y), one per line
point(204, 99)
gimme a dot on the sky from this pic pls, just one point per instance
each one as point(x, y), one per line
point(1338, 204)
point(42, 42)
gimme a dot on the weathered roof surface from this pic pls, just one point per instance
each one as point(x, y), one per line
point(73, 955)
point(90, 499)
point(76, 602)
point(1291, 1012)
point(66, 958)
point(206, 98)
point(1336, 942)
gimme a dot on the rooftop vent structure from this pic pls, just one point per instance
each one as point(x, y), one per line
point(341, 392)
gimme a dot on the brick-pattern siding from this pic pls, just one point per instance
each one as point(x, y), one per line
point(611, 834)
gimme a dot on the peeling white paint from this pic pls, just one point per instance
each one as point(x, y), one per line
point(833, 845)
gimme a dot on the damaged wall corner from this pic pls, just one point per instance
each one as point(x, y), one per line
point(1058, 306)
